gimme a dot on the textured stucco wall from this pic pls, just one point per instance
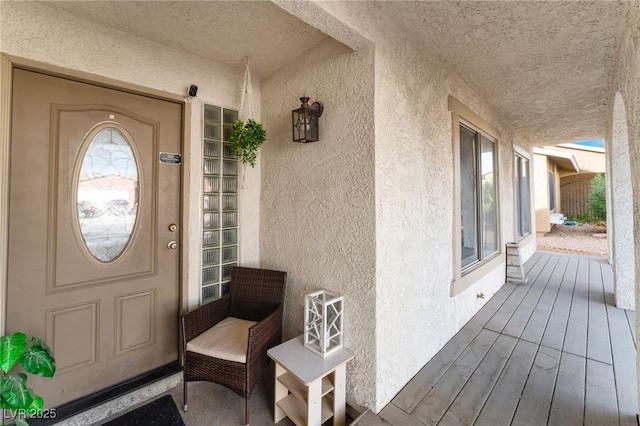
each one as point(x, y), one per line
point(34, 31)
point(620, 214)
point(627, 83)
point(415, 314)
point(318, 217)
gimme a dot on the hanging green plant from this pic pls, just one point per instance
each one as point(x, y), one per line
point(36, 359)
point(245, 140)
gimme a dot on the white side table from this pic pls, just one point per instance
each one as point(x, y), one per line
point(309, 389)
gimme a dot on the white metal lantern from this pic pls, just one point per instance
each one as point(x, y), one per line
point(323, 320)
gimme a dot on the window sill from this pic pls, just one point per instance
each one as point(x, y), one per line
point(472, 276)
point(525, 239)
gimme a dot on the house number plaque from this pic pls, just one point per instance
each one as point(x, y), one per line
point(166, 157)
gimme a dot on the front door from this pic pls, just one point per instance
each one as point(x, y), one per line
point(93, 231)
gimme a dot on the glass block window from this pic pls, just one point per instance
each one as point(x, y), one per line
point(219, 203)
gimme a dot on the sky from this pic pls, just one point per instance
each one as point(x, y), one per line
point(596, 143)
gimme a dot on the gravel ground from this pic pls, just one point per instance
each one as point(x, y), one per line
point(581, 239)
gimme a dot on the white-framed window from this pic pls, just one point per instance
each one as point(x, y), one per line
point(523, 197)
point(220, 207)
point(478, 201)
point(477, 242)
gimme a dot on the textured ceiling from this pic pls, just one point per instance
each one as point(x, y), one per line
point(223, 31)
point(544, 65)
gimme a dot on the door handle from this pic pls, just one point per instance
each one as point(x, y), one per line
point(172, 245)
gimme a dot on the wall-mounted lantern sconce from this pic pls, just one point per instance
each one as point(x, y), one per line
point(305, 121)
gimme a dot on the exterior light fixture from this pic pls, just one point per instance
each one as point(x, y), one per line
point(305, 121)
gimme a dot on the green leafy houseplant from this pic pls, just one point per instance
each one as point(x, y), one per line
point(34, 358)
point(245, 140)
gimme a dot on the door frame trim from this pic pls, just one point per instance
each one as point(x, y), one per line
point(7, 64)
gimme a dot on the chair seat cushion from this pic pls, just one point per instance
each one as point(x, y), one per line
point(226, 340)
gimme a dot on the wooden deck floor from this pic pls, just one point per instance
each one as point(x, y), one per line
point(555, 351)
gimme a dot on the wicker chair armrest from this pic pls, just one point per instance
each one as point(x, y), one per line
point(264, 335)
point(203, 318)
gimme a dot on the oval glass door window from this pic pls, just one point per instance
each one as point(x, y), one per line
point(108, 194)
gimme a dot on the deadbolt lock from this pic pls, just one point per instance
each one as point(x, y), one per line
point(172, 245)
point(173, 227)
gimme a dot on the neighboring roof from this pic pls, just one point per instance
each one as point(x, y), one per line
point(564, 160)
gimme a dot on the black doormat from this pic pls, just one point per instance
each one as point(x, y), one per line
point(162, 411)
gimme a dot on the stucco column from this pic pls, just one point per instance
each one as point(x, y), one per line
point(541, 200)
point(627, 77)
point(621, 209)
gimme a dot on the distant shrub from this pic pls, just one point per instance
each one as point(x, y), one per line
point(597, 203)
point(581, 218)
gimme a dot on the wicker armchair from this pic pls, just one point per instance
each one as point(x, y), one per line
point(255, 295)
